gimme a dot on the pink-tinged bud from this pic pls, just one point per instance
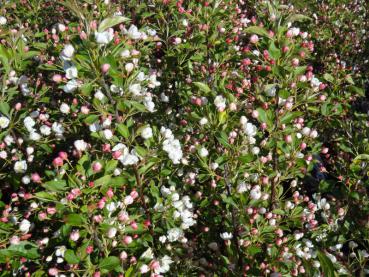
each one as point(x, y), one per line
point(51, 210)
point(106, 148)
point(58, 162)
point(123, 217)
point(18, 106)
point(254, 39)
point(268, 215)
point(324, 150)
point(285, 49)
point(322, 86)
point(85, 110)
point(309, 158)
point(101, 204)
point(322, 97)
point(110, 193)
point(289, 34)
point(127, 239)
point(303, 145)
point(57, 78)
point(263, 126)
point(98, 218)
point(93, 25)
point(295, 62)
point(263, 159)
point(341, 212)
point(271, 34)
point(233, 106)
point(117, 154)
point(97, 274)
point(147, 223)
point(105, 68)
point(255, 114)
point(74, 236)
point(123, 256)
point(134, 225)
point(36, 177)
point(246, 61)
point(53, 271)
point(265, 180)
point(288, 139)
point(134, 194)
point(278, 242)
point(89, 249)
point(154, 265)
point(83, 35)
point(96, 167)
point(42, 216)
point(63, 155)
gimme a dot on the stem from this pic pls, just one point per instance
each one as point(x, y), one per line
point(234, 223)
point(275, 157)
point(142, 198)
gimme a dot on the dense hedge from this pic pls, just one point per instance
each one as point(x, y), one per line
point(184, 138)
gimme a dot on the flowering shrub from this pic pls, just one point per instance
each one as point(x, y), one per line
point(181, 138)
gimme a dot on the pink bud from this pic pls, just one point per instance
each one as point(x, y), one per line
point(18, 106)
point(255, 114)
point(303, 145)
point(83, 35)
point(57, 78)
point(134, 194)
point(96, 166)
point(254, 39)
point(35, 177)
point(58, 162)
point(110, 193)
point(105, 68)
point(288, 139)
point(127, 239)
point(63, 155)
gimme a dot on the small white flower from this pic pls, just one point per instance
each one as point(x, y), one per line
point(34, 136)
point(108, 134)
point(24, 226)
point(99, 95)
point(45, 130)
point(204, 121)
point(203, 152)
point(67, 52)
point(226, 236)
point(4, 122)
point(29, 123)
point(104, 37)
point(220, 102)
point(64, 108)
point(61, 27)
point(71, 72)
point(146, 132)
point(125, 53)
point(70, 86)
point(112, 232)
point(20, 166)
point(133, 32)
point(3, 20)
point(135, 89)
point(80, 145)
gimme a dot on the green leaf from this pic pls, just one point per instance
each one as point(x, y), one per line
point(274, 52)
point(203, 87)
point(110, 22)
point(91, 118)
point(298, 17)
point(350, 80)
point(75, 220)
point(4, 108)
point(327, 265)
point(328, 77)
point(110, 166)
point(55, 185)
point(257, 30)
point(123, 130)
point(70, 257)
point(105, 180)
point(109, 263)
